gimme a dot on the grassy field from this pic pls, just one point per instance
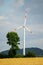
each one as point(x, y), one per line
point(22, 61)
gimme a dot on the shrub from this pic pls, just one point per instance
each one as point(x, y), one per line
point(30, 54)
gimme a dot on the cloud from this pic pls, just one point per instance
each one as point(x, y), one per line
point(4, 45)
point(21, 2)
point(2, 17)
point(6, 24)
point(17, 3)
point(37, 43)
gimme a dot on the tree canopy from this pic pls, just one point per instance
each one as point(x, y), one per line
point(13, 41)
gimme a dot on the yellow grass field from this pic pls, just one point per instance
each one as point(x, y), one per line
point(22, 61)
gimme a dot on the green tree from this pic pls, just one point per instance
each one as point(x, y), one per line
point(13, 41)
point(30, 54)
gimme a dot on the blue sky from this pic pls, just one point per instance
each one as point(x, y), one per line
point(12, 14)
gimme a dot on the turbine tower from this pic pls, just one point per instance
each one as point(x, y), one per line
point(25, 28)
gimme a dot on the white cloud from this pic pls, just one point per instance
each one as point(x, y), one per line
point(7, 25)
point(17, 4)
point(4, 23)
point(20, 2)
point(2, 17)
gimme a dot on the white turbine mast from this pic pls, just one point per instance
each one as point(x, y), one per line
point(25, 28)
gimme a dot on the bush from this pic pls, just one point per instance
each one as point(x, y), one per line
point(3, 56)
point(19, 56)
point(30, 54)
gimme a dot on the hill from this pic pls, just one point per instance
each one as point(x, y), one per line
point(37, 51)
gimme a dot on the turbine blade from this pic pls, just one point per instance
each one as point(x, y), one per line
point(28, 29)
point(25, 21)
point(18, 27)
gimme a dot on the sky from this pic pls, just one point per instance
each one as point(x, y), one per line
point(12, 14)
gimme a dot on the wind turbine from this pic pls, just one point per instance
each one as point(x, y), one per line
point(25, 28)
